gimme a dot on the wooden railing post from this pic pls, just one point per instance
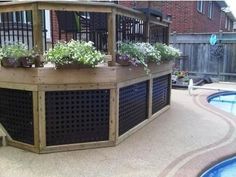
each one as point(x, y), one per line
point(37, 31)
point(147, 29)
point(168, 35)
point(112, 36)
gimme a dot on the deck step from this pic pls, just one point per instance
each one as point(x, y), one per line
point(2, 138)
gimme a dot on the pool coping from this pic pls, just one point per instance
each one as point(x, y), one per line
point(196, 162)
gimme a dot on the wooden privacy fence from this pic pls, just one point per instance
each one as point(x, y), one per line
point(197, 49)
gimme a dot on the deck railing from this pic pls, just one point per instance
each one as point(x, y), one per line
point(40, 24)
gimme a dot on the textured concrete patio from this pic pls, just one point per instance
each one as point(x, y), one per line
point(165, 147)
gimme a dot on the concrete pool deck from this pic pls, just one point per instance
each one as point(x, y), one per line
point(182, 142)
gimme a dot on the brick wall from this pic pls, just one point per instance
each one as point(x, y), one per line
point(201, 21)
point(129, 4)
point(181, 13)
point(54, 27)
point(185, 17)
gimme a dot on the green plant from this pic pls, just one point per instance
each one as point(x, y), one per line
point(74, 52)
point(167, 52)
point(131, 53)
point(149, 53)
point(60, 54)
point(139, 53)
point(15, 51)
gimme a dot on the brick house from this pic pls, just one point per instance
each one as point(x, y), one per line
point(191, 16)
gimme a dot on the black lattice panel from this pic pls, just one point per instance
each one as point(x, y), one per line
point(16, 114)
point(77, 116)
point(133, 103)
point(161, 93)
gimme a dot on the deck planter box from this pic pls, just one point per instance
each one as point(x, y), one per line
point(72, 66)
point(58, 110)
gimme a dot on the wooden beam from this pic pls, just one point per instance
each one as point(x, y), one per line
point(133, 81)
point(9, 7)
point(112, 36)
point(162, 73)
point(117, 113)
point(170, 87)
point(131, 13)
point(65, 87)
point(155, 21)
point(20, 76)
point(75, 6)
point(37, 29)
point(168, 35)
point(113, 112)
point(150, 90)
point(42, 120)
point(147, 29)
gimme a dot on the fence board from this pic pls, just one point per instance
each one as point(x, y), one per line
point(200, 60)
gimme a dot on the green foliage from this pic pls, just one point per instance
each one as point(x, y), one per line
point(148, 52)
point(60, 54)
point(14, 51)
point(79, 52)
point(167, 52)
point(139, 53)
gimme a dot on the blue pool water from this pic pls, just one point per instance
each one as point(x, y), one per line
point(225, 101)
point(226, 168)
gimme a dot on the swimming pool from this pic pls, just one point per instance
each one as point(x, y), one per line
point(226, 168)
point(225, 101)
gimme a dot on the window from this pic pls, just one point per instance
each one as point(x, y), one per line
point(210, 9)
point(200, 6)
point(226, 22)
point(229, 24)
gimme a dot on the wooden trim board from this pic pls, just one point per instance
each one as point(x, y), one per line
point(26, 87)
point(36, 119)
point(77, 146)
point(23, 146)
point(66, 87)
